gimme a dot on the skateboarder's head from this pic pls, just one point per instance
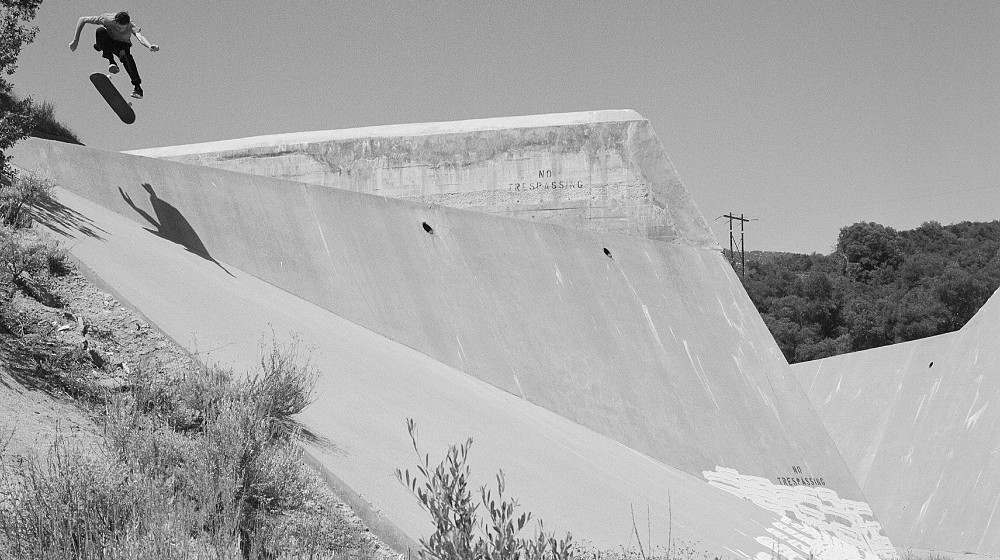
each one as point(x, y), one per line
point(122, 18)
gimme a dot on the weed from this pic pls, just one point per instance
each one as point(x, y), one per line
point(40, 119)
point(16, 198)
point(76, 505)
point(27, 263)
point(459, 533)
point(45, 123)
point(204, 465)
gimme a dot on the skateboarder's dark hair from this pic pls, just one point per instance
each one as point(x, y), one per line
point(122, 18)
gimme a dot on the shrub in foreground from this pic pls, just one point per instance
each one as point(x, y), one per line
point(459, 532)
point(201, 466)
point(16, 198)
point(27, 265)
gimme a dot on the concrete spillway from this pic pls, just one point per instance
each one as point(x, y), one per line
point(919, 425)
point(601, 371)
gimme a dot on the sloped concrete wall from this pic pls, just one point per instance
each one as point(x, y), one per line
point(652, 344)
point(603, 170)
point(919, 425)
point(368, 386)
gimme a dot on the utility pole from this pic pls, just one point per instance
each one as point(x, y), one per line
point(732, 241)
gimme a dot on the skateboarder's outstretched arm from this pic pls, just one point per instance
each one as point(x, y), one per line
point(79, 27)
point(145, 42)
point(119, 25)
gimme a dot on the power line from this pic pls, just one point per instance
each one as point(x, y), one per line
point(732, 240)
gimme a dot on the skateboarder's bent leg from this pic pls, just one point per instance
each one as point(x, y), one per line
point(104, 43)
point(110, 48)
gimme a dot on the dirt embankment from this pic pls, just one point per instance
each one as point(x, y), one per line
point(84, 341)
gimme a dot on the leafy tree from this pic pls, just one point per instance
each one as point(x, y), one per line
point(921, 268)
point(921, 314)
point(869, 323)
point(872, 251)
point(881, 286)
point(16, 120)
point(961, 292)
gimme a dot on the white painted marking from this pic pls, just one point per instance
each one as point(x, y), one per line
point(919, 408)
point(698, 373)
point(707, 387)
point(935, 387)
point(923, 508)
point(818, 369)
point(722, 308)
point(517, 381)
point(652, 327)
point(973, 405)
point(986, 531)
point(971, 421)
point(322, 236)
point(814, 522)
point(461, 351)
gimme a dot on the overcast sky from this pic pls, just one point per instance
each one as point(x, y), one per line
point(807, 116)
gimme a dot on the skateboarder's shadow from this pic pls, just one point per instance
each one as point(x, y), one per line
point(171, 225)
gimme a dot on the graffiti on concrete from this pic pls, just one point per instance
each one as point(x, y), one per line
point(813, 521)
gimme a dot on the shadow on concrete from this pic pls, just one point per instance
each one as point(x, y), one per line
point(171, 225)
point(64, 220)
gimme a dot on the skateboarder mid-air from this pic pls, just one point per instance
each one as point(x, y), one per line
point(114, 38)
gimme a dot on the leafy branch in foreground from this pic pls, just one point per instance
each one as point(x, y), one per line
point(444, 493)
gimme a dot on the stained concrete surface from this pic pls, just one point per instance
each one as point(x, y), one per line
point(600, 371)
point(599, 170)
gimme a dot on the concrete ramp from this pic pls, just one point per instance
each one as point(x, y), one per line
point(600, 170)
point(563, 352)
point(919, 425)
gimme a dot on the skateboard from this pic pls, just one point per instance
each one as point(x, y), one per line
point(114, 97)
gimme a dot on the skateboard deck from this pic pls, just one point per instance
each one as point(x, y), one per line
point(114, 97)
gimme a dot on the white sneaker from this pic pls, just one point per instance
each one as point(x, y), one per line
point(113, 68)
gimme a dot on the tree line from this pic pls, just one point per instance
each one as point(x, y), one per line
point(879, 286)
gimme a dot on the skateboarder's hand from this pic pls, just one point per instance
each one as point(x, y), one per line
point(72, 46)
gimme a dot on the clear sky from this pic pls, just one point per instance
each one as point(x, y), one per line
point(805, 115)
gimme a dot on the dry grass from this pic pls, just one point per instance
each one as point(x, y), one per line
point(194, 462)
point(201, 466)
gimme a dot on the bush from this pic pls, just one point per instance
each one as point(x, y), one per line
point(27, 264)
point(200, 462)
point(444, 493)
point(45, 124)
point(76, 506)
point(23, 191)
point(37, 119)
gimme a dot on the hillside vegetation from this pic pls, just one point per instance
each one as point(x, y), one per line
point(880, 286)
point(40, 119)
